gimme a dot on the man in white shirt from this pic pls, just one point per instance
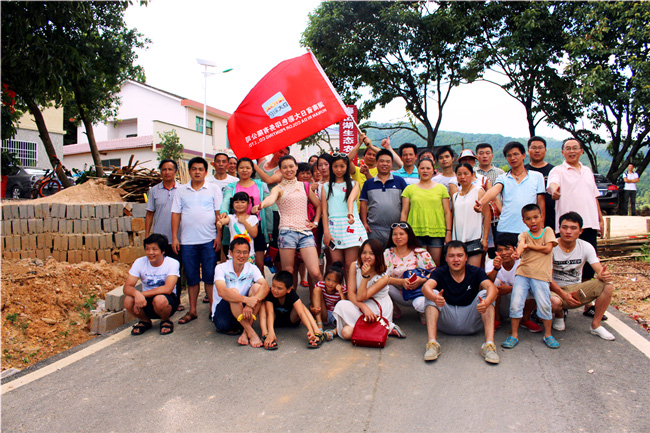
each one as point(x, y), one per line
point(195, 211)
point(239, 293)
point(567, 290)
point(222, 179)
point(158, 299)
point(631, 178)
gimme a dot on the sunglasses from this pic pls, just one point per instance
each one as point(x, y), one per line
point(338, 154)
point(400, 225)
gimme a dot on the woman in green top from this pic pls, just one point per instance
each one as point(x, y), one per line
point(425, 206)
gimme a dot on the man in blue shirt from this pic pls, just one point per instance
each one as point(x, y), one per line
point(381, 199)
point(409, 172)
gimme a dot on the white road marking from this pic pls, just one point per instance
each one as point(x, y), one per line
point(629, 334)
point(58, 365)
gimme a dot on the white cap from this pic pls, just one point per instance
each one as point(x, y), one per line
point(467, 153)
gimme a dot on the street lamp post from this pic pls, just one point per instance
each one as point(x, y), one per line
point(205, 63)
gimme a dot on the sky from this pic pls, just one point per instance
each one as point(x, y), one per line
point(253, 36)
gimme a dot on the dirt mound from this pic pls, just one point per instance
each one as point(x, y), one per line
point(92, 191)
point(46, 305)
point(632, 289)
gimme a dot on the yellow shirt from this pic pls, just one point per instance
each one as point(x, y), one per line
point(361, 179)
point(534, 264)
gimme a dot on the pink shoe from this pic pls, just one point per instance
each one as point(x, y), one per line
point(397, 313)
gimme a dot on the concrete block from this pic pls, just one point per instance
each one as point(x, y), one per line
point(13, 209)
point(137, 239)
point(55, 225)
point(86, 211)
point(16, 243)
point(94, 225)
point(94, 323)
point(42, 253)
point(139, 210)
point(28, 242)
point(40, 241)
point(121, 227)
point(60, 243)
point(31, 254)
point(105, 255)
point(35, 226)
point(49, 240)
point(6, 227)
point(63, 210)
point(128, 255)
point(76, 227)
point(104, 212)
point(74, 256)
point(116, 210)
point(26, 211)
point(19, 227)
point(127, 224)
point(47, 225)
point(42, 210)
point(84, 226)
point(89, 256)
point(109, 241)
point(121, 239)
point(61, 256)
point(115, 299)
point(110, 321)
point(137, 224)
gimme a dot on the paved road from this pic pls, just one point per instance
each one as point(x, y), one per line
point(200, 381)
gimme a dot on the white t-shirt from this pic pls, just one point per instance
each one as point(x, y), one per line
point(153, 277)
point(443, 179)
point(567, 267)
point(198, 212)
point(226, 272)
point(630, 176)
point(222, 183)
point(237, 228)
point(503, 277)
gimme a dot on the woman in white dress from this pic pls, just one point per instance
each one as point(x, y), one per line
point(367, 280)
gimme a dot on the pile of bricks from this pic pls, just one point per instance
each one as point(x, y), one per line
point(73, 232)
point(115, 314)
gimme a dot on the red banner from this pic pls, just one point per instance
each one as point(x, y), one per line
point(348, 135)
point(293, 101)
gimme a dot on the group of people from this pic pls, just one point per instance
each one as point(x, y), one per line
point(463, 243)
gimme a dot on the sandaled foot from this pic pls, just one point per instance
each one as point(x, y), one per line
point(206, 300)
point(397, 332)
point(510, 342)
point(273, 345)
point(187, 318)
point(316, 342)
point(140, 328)
point(180, 307)
point(551, 342)
point(329, 334)
point(243, 339)
point(166, 327)
point(304, 284)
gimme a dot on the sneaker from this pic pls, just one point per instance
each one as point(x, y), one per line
point(497, 324)
point(558, 324)
point(433, 351)
point(489, 352)
point(551, 342)
point(603, 333)
point(531, 326)
point(591, 312)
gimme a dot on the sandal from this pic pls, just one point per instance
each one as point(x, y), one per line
point(510, 342)
point(551, 342)
point(187, 319)
point(180, 307)
point(273, 346)
point(397, 332)
point(329, 334)
point(316, 344)
point(141, 327)
point(166, 325)
point(206, 300)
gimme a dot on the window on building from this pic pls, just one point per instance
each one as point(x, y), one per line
point(26, 151)
point(114, 162)
point(131, 135)
point(199, 126)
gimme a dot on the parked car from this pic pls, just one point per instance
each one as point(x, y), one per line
point(609, 194)
point(20, 182)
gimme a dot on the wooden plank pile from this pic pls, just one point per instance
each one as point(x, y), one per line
point(624, 247)
point(134, 181)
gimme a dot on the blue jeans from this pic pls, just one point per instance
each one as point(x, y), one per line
point(199, 262)
point(223, 319)
point(541, 292)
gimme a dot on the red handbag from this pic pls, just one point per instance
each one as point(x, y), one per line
point(370, 334)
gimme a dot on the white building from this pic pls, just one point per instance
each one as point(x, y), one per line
point(143, 113)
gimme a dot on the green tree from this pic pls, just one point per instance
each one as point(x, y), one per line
point(58, 51)
point(607, 79)
point(522, 43)
point(170, 146)
point(414, 51)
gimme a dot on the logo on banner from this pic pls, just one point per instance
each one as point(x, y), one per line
point(276, 106)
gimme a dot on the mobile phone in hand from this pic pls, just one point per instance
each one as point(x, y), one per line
point(413, 278)
point(332, 245)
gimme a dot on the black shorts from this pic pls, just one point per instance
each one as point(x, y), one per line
point(259, 242)
point(151, 313)
point(283, 320)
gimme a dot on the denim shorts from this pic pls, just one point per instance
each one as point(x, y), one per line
point(294, 240)
point(223, 319)
point(199, 262)
point(541, 292)
point(429, 242)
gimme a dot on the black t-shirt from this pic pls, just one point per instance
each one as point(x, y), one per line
point(549, 220)
point(463, 293)
point(287, 307)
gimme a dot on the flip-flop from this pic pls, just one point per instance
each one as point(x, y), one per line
point(274, 346)
point(187, 319)
point(140, 328)
point(317, 344)
point(166, 325)
point(206, 300)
